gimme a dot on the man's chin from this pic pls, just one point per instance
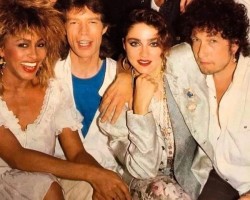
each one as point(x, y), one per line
point(205, 71)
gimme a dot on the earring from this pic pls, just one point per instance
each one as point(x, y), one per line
point(2, 62)
point(2, 65)
point(234, 59)
point(125, 64)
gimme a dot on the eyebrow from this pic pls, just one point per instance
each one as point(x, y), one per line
point(91, 18)
point(152, 39)
point(29, 40)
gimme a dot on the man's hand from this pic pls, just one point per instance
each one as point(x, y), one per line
point(115, 97)
point(109, 186)
point(183, 5)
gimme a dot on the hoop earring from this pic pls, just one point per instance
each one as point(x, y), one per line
point(2, 62)
point(125, 64)
point(2, 65)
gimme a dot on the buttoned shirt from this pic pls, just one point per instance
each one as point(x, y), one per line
point(229, 130)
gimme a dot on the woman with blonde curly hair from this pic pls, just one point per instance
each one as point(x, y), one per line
point(35, 108)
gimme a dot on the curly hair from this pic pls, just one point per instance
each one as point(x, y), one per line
point(96, 6)
point(18, 17)
point(151, 18)
point(224, 16)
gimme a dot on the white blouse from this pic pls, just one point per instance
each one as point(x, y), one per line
point(57, 112)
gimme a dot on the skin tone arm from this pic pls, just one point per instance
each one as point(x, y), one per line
point(118, 93)
point(115, 97)
point(183, 5)
point(106, 185)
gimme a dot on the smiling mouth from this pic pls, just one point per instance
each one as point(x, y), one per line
point(29, 64)
point(29, 67)
point(144, 62)
point(84, 43)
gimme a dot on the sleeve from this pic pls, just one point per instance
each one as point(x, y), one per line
point(6, 119)
point(66, 116)
point(134, 141)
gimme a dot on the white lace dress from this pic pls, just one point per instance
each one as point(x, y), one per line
point(57, 112)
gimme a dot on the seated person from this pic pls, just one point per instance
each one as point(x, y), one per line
point(87, 70)
point(222, 54)
point(155, 152)
point(36, 108)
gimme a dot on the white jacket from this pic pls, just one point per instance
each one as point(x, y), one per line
point(95, 142)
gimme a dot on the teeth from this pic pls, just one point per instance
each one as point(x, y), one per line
point(144, 62)
point(28, 64)
point(84, 43)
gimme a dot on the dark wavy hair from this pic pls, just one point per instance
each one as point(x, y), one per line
point(96, 6)
point(18, 17)
point(224, 16)
point(151, 18)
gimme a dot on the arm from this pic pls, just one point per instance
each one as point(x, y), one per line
point(33, 161)
point(133, 138)
point(107, 181)
point(145, 150)
point(115, 97)
point(134, 142)
point(183, 5)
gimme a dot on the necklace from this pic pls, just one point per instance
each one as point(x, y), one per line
point(163, 121)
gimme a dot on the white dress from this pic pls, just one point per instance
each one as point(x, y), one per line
point(57, 112)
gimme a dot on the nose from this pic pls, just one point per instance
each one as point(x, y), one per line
point(33, 53)
point(201, 50)
point(83, 29)
point(144, 51)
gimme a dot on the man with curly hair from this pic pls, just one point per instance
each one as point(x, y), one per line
point(217, 31)
point(210, 83)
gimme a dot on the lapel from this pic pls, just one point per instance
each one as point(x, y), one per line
point(180, 129)
point(189, 89)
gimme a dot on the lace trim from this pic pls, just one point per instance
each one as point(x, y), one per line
point(11, 120)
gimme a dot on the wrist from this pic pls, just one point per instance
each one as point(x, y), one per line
point(139, 110)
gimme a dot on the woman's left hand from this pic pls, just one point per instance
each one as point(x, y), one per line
point(145, 87)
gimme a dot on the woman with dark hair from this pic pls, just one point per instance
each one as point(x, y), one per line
point(35, 108)
point(144, 139)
